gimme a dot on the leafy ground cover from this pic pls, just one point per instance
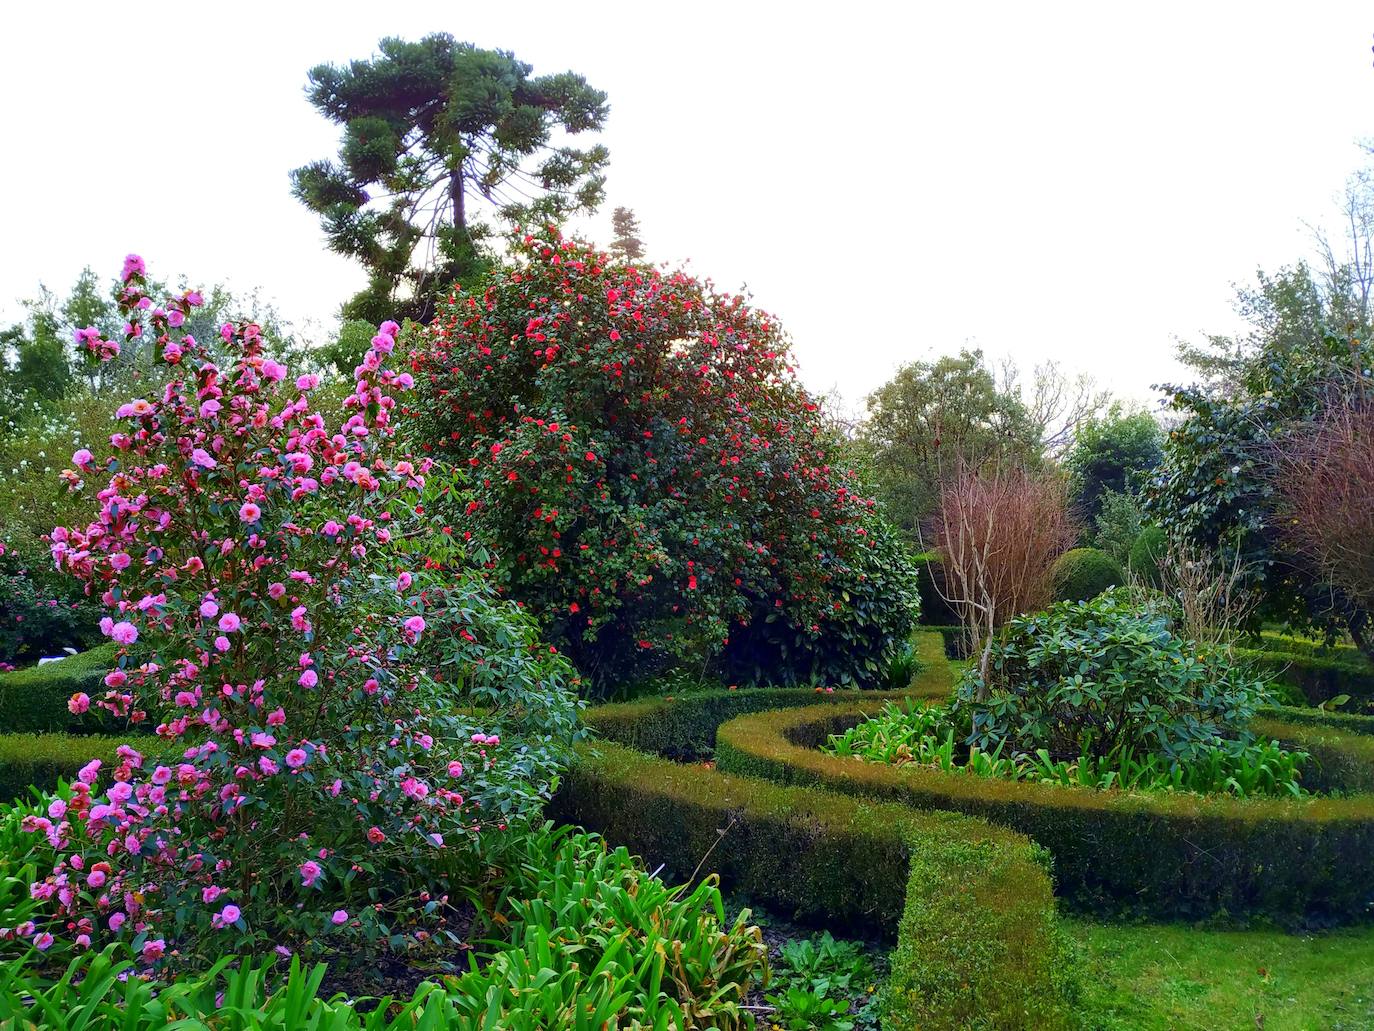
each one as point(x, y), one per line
point(1181, 977)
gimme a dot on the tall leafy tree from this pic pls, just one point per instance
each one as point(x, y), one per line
point(935, 419)
point(1112, 454)
point(431, 130)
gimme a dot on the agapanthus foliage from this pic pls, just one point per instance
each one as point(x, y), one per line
point(309, 784)
point(653, 481)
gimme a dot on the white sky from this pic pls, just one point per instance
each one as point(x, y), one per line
point(1075, 181)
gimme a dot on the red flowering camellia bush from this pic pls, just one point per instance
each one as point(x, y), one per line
point(309, 786)
point(653, 481)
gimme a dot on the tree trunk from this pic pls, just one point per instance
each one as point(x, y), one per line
point(455, 190)
point(1360, 633)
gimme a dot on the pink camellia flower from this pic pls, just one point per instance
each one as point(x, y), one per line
point(82, 458)
point(455, 768)
point(296, 758)
point(154, 949)
point(276, 717)
point(276, 590)
point(116, 678)
point(79, 703)
point(124, 632)
point(340, 917)
point(120, 561)
point(229, 913)
point(202, 458)
point(309, 678)
point(375, 835)
point(403, 581)
point(307, 382)
point(209, 608)
point(210, 893)
point(222, 643)
point(383, 344)
point(273, 371)
point(117, 919)
point(415, 625)
point(261, 740)
point(133, 266)
point(249, 512)
point(96, 878)
point(310, 872)
point(389, 327)
point(229, 622)
point(43, 942)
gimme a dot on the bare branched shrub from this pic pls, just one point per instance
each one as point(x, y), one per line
point(998, 533)
point(1325, 484)
point(1211, 590)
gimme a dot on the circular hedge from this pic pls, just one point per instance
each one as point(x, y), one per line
point(1157, 854)
point(1084, 573)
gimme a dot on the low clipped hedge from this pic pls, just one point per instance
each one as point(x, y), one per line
point(41, 760)
point(684, 727)
point(970, 904)
point(1318, 677)
point(34, 700)
point(1161, 855)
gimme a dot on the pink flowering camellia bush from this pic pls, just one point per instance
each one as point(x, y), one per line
point(310, 786)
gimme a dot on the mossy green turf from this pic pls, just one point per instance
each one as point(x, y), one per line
point(1154, 977)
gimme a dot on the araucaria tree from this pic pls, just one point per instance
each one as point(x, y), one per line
point(432, 130)
point(652, 479)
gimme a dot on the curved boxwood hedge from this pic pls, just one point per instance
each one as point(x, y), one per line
point(1166, 856)
point(683, 727)
point(34, 700)
point(970, 904)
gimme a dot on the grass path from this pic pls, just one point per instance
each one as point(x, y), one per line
point(1184, 978)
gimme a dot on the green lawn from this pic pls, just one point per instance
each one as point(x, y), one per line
point(1158, 976)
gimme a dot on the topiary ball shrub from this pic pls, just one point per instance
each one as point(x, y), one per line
point(1083, 573)
point(1105, 677)
point(1147, 553)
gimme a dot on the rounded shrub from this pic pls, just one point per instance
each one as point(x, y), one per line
point(651, 479)
point(1146, 554)
point(1084, 573)
point(1104, 677)
point(255, 559)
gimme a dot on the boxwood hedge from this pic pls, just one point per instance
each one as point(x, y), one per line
point(1165, 856)
point(970, 904)
point(40, 760)
point(35, 699)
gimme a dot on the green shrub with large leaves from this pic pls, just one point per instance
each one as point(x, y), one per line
point(651, 478)
point(1105, 677)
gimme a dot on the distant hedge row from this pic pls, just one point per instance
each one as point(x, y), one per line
point(1162, 855)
